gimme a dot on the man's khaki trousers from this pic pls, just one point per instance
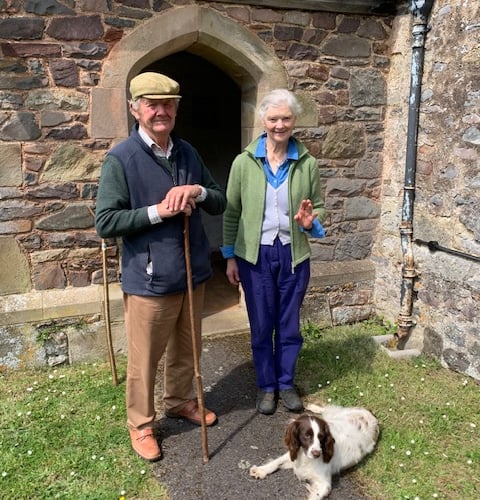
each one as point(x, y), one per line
point(156, 326)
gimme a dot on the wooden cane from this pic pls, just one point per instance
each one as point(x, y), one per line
point(196, 364)
point(106, 310)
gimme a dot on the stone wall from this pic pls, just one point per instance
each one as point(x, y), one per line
point(53, 59)
point(447, 287)
point(352, 70)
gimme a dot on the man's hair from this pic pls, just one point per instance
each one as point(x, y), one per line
point(135, 102)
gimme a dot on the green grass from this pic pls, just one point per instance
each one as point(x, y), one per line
point(429, 416)
point(63, 436)
point(62, 431)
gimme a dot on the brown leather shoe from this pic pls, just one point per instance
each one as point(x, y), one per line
point(191, 412)
point(145, 444)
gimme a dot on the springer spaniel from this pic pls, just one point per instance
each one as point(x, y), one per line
point(320, 447)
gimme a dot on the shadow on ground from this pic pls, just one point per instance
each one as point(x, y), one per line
point(241, 438)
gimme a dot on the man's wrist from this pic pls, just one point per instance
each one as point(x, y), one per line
point(203, 194)
point(153, 215)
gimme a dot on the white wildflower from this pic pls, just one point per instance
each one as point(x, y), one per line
point(244, 464)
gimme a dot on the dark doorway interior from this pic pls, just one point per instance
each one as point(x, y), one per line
point(209, 118)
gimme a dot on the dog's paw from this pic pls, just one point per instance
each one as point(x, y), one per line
point(257, 472)
point(318, 491)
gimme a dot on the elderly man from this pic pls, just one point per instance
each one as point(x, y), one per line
point(148, 183)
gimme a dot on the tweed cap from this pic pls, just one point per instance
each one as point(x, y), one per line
point(154, 86)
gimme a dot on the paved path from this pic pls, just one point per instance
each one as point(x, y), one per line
point(242, 437)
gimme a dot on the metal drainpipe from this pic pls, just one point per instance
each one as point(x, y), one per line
point(420, 10)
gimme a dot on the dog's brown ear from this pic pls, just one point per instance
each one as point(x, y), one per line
point(327, 443)
point(292, 441)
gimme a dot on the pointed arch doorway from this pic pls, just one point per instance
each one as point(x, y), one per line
point(223, 70)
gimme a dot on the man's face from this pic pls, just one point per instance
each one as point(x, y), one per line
point(156, 117)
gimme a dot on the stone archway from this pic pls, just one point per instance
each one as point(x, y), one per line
point(240, 54)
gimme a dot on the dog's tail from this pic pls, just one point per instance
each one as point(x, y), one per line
point(315, 408)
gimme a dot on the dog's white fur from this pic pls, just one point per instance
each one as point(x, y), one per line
point(336, 440)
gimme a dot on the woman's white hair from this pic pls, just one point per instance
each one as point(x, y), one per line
point(276, 98)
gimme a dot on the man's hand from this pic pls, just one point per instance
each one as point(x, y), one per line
point(179, 199)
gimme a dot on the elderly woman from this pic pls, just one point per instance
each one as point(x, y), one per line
point(273, 206)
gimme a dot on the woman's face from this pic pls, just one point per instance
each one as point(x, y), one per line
point(279, 122)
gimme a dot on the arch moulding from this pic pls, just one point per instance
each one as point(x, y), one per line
point(248, 61)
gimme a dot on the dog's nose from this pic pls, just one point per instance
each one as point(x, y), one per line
point(316, 453)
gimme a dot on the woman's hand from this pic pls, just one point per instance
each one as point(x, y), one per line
point(305, 216)
point(232, 271)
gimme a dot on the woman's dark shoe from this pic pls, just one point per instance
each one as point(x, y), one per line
point(291, 400)
point(266, 402)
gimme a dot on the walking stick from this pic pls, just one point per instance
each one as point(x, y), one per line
point(196, 364)
point(106, 310)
